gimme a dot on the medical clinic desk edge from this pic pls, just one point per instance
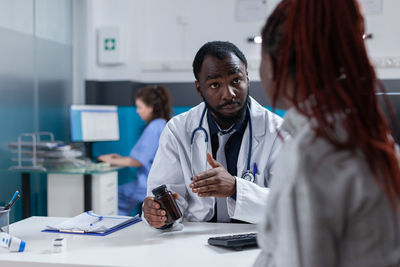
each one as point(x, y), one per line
point(136, 245)
point(87, 184)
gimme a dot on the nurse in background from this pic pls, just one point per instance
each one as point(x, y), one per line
point(335, 196)
point(154, 107)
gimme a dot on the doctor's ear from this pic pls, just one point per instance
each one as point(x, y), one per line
point(197, 84)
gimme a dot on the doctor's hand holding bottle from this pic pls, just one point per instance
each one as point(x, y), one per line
point(215, 182)
point(153, 213)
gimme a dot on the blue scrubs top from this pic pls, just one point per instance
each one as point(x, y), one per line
point(144, 151)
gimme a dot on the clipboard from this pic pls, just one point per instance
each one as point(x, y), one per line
point(107, 232)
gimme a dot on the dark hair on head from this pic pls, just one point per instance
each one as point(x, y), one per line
point(318, 45)
point(158, 98)
point(218, 49)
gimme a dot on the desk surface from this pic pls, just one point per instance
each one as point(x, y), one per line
point(136, 245)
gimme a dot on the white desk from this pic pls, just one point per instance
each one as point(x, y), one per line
point(136, 245)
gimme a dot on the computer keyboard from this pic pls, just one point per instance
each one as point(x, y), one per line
point(234, 241)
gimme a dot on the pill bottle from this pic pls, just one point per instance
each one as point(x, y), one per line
point(167, 202)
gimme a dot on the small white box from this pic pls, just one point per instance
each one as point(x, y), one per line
point(59, 245)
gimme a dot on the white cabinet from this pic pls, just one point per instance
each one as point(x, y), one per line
point(66, 194)
point(105, 193)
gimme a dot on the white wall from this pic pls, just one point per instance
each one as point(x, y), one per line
point(124, 14)
point(158, 47)
point(384, 48)
point(175, 44)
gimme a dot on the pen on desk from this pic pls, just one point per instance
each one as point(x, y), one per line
point(15, 197)
point(99, 219)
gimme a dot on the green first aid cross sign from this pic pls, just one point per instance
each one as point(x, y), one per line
point(109, 44)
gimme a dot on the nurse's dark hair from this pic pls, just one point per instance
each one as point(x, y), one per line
point(218, 49)
point(158, 98)
point(318, 46)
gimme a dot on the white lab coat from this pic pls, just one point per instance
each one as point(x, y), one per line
point(172, 167)
point(325, 208)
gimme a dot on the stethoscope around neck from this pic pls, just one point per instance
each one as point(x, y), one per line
point(247, 175)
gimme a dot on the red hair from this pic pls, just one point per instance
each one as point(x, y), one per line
point(319, 45)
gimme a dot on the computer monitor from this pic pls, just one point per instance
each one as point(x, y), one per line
point(92, 123)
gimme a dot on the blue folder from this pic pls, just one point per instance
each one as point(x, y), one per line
point(109, 231)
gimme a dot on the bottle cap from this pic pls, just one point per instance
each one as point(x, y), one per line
point(159, 190)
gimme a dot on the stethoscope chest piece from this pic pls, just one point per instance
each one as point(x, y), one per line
point(248, 176)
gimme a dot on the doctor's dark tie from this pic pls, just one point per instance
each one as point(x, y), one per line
point(222, 207)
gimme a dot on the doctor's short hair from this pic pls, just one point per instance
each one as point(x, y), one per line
point(218, 49)
point(157, 97)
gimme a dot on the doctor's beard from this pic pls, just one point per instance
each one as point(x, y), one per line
point(235, 118)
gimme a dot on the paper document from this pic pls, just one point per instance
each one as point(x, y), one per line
point(89, 222)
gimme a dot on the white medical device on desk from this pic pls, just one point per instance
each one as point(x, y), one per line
point(11, 242)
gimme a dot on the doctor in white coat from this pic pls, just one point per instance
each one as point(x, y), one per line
point(229, 124)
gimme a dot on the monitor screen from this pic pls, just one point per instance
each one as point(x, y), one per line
point(90, 123)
